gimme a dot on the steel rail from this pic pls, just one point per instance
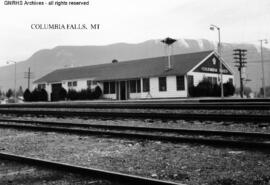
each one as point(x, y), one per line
point(136, 115)
point(103, 174)
point(174, 139)
point(145, 129)
point(149, 105)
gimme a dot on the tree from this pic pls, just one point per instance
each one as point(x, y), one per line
point(247, 91)
point(27, 95)
point(267, 91)
point(20, 91)
point(9, 93)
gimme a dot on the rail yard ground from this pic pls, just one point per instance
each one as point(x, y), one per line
point(251, 126)
point(192, 164)
point(183, 163)
point(17, 173)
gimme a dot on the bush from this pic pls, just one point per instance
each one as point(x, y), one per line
point(97, 92)
point(72, 94)
point(84, 94)
point(62, 94)
point(35, 95)
point(43, 95)
point(206, 89)
point(229, 89)
point(9, 93)
point(27, 95)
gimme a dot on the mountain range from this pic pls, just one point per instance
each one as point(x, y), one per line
point(47, 60)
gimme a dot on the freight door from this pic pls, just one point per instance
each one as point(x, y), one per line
point(56, 88)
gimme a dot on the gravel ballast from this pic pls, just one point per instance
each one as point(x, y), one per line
point(188, 164)
point(20, 174)
point(185, 124)
point(161, 111)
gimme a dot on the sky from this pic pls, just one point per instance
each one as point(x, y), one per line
point(131, 21)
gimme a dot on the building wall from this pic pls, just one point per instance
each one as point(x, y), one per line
point(171, 89)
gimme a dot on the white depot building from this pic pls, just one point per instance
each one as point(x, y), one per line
point(143, 78)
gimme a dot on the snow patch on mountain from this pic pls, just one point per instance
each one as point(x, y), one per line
point(200, 43)
point(183, 42)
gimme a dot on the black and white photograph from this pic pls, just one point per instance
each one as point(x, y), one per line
point(123, 92)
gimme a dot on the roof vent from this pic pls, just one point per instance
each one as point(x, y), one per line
point(114, 61)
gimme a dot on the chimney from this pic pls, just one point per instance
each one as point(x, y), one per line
point(168, 42)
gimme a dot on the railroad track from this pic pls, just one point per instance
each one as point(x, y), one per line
point(121, 114)
point(84, 171)
point(168, 104)
point(246, 140)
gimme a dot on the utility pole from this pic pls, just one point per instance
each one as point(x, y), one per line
point(263, 79)
point(240, 60)
point(28, 75)
point(213, 27)
point(15, 77)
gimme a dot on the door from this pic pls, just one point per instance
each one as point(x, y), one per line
point(123, 89)
point(190, 80)
point(56, 88)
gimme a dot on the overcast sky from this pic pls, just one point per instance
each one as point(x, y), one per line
point(131, 21)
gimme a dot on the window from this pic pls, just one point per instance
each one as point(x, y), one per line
point(135, 86)
point(112, 87)
point(180, 83)
point(106, 87)
point(162, 83)
point(146, 85)
point(41, 86)
point(109, 87)
point(212, 80)
point(132, 85)
point(72, 84)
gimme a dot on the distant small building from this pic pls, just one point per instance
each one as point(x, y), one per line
point(143, 78)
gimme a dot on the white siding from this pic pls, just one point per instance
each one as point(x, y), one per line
point(171, 89)
point(135, 95)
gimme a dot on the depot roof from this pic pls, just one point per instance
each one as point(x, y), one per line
point(148, 67)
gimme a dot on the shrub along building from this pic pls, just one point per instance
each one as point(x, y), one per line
point(141, 79)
